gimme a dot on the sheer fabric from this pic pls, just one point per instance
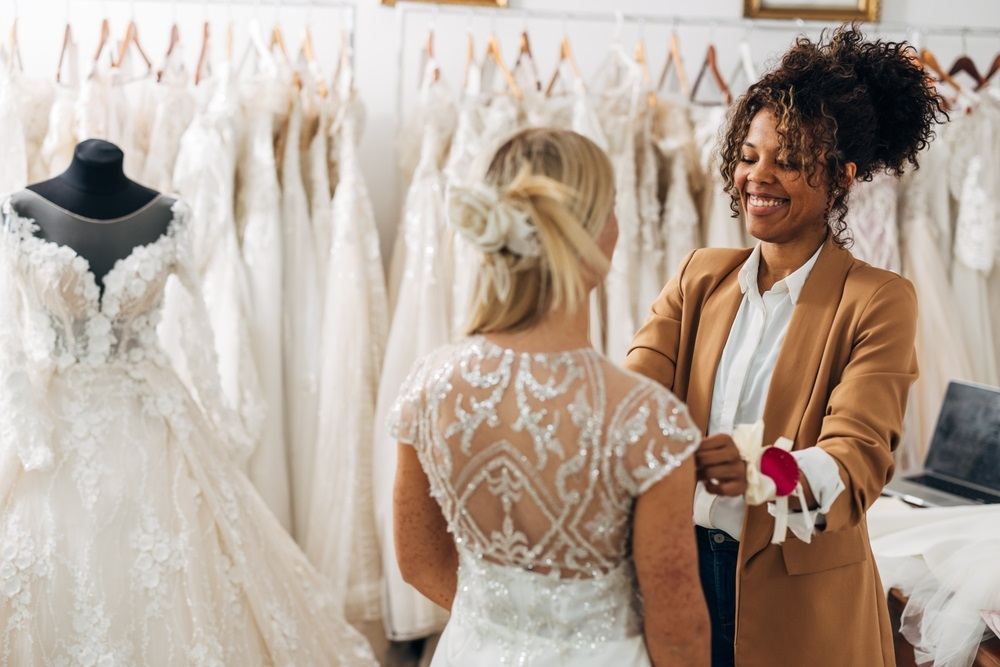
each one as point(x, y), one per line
point(128, 534)
point(536, 460)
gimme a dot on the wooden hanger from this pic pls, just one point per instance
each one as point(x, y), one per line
point(306, 52)
point(493, 53)
point(429, 53)
point(710, 65)
point(132, 37)
point(565, 56)
point(994, 68)
point(640, 59)
point(204, 68)
point(103, 41)
point(525, 47)
point(470, 57)
point(278, 40)
point(14, 64)
point(929, 60)
point(964, 64)
point(175, 38)
point(675, 62)
point(67, 45)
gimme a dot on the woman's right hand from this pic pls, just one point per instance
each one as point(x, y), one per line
point(720, 467)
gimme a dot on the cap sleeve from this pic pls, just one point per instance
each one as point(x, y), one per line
point(652, 434)
point(405, 415)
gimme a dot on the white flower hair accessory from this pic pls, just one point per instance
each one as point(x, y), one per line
point(491, 222)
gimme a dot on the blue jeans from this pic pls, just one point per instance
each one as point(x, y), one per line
point(717, 560)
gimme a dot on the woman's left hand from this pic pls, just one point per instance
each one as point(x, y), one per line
point(720, 466)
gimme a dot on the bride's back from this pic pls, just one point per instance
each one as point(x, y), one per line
point(536, 458)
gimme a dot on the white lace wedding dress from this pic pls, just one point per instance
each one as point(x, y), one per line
point(536, 460)
point(128, 535)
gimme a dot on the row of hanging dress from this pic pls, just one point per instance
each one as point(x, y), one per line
point(935, 226)
point(284, 245)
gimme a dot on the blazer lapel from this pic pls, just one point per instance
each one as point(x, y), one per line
point(716, 320)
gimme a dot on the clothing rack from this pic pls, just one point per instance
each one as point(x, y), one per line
point(779, 25)
point(349, 7)
point(408, 8)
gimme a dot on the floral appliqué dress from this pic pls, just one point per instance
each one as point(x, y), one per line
point(128, 533)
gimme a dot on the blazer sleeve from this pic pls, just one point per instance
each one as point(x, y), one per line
point(864, 414)
point(657, 343)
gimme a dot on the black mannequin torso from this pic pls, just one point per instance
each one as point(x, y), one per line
point(95, 209)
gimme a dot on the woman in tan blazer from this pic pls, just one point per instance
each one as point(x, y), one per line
point(799, 333)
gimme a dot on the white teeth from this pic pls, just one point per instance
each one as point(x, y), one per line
point(760, 201)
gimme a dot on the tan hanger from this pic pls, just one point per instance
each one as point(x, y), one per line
point(306, 51)
point(103, 41)
point(429, 53)
point(640, 59)
point(278, 40)
point(709, 64)
point(493, 53)
point(132, 37)
point(203, 68)
point(675, 62)
point(525, 49)
point(929, 60)
point(470, 56)
point(66, 44)
point(175, 38)
point(15, 49)
point(565, 56)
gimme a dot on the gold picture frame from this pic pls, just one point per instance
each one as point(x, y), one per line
point(812, 10)
point(476, 3)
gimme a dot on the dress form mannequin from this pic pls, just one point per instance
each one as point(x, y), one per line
point(93, 208)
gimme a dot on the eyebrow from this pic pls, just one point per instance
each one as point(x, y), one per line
point(750, 145)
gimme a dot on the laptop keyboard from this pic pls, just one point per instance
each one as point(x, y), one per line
point(956, 489)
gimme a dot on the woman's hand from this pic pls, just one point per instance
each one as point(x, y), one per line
point(720, 467)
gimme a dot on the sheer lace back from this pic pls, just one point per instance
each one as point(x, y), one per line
point(67, 319)
point(536, 458)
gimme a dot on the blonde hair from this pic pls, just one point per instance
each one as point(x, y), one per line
point(552, 192)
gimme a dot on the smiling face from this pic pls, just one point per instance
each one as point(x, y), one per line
point(779, 202)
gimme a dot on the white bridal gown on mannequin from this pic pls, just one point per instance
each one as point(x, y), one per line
point(128, 534)
point(539, 502)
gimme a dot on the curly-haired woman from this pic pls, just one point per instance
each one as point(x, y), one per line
point(797, 332)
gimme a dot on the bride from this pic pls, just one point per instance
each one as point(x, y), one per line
point(543, 494)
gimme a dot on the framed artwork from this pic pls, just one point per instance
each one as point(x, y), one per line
point(813, 10)
point(477, 3)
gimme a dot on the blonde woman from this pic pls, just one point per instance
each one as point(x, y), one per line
point(543, 495)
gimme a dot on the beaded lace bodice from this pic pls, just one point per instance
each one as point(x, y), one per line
point(536, 460)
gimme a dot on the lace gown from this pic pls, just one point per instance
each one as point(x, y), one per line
point(128, 536)
point(258, 219)
point(421, 322)
point(536, 460)
point(341, 537)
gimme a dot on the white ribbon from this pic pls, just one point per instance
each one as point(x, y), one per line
point(749, 439)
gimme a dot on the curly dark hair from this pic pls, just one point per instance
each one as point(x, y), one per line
point(841, 99)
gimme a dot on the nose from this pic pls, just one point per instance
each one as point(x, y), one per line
point(761, 171)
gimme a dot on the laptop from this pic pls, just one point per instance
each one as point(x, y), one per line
point(963, 461)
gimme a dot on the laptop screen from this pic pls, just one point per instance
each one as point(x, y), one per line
point(966, 443)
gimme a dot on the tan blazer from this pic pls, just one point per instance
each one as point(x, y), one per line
point(840, 383)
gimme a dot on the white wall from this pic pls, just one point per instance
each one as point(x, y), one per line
point(377, 44)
